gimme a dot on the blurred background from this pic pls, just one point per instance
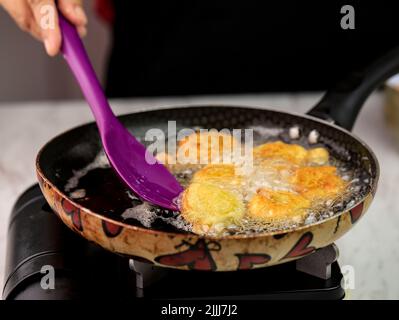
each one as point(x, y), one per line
point(28, 74)
point(162, 48)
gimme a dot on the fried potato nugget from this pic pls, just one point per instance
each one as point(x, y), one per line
point(210, 207)
point(219, 174)
point(271, 206)
point(208, 147)
point(317, 156)
point(318, 183)
point(292, 153)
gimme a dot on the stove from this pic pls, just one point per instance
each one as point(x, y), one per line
point(39, 247)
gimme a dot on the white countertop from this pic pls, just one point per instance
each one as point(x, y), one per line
point(371, 248)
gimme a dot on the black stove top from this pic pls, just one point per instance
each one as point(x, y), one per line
point(84, 271)
point(278, 282)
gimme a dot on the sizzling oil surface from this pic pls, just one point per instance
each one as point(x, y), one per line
point(101, 190)
point(265, 178)
point(98, 188)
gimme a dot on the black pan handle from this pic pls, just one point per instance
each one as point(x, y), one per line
point(342, 104)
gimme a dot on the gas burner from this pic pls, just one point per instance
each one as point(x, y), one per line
point(316, 276)
point(83, 270)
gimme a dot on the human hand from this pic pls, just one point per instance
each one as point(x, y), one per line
point(40, 19)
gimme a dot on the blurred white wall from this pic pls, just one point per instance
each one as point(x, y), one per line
point(27, 73)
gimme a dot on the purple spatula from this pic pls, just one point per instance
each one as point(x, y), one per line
point(149, 179)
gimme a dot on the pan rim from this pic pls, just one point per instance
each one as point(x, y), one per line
point(373, 183)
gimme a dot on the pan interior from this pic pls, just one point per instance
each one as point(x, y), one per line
point(61, 158)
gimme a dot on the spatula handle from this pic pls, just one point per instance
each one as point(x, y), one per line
point(76, 56)
point(342, 103)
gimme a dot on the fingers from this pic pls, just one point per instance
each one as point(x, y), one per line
point(82, 30)
point(40, 18)
point(22, 14)
point(73, 11)
point(45, 14)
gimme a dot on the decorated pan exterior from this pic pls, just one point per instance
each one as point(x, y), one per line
point(190, 251)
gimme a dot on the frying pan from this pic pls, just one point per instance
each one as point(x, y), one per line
point(332, 117)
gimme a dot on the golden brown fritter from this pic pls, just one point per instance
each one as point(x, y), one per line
point(272, 206)
point(318, 183)
point(284, 183)
point(292, 153)
point(207, 147)
point(317, 156)
point(211, 208)
point(219, 174)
